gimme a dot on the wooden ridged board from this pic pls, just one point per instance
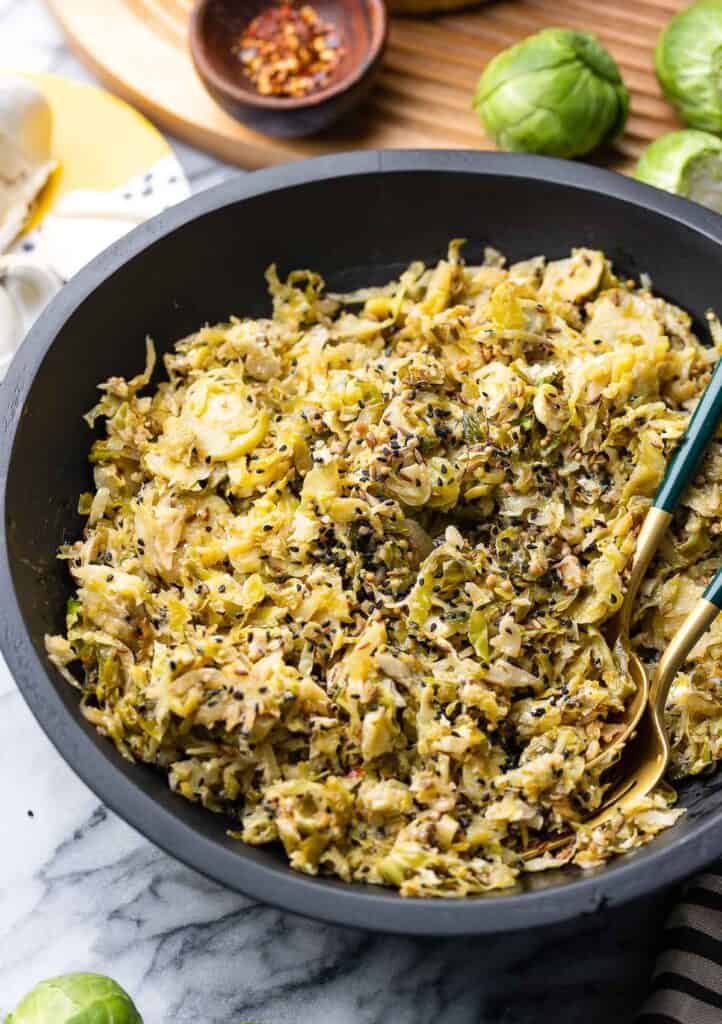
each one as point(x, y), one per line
point(423, 95)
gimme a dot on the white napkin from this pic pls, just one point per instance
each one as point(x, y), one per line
point(83, 222)
point(26, 287)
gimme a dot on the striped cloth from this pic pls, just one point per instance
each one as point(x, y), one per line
point(687, 980)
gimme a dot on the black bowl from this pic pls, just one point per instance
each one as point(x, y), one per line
point(357, 218)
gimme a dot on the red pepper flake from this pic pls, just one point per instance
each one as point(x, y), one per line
point(288, 50)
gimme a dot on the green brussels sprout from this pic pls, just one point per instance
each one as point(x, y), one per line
point(558, 92)
point(688, 163)
point(76, 999)
point(688, 62)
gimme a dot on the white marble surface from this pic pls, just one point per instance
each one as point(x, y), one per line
point(79, 890)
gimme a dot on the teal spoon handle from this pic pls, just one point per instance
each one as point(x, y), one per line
point(713, 593)
point(688, 454)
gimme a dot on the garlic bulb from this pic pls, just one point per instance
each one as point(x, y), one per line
point(25, 162)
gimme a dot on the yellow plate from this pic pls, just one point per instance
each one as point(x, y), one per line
point(99, 142)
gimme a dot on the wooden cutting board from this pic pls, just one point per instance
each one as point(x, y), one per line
point(423, 95)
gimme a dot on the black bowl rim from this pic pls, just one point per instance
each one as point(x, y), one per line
point(374, 908)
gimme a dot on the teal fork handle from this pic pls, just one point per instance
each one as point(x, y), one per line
point(688, 454)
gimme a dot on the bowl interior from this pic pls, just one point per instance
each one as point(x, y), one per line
point(221, 23)
point(356, 229)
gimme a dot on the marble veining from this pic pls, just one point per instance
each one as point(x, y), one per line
point(80, 890)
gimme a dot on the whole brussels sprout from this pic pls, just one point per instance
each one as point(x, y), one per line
point(76, 999)
point(688, 163)
point(688, 62)
point(558, 92)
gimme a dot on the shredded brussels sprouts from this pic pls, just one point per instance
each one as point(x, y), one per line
point(345, 570)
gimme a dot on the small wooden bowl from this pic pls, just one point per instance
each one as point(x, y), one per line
point(216, 24)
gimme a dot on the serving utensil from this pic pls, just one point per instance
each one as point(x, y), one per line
point(643, 739)
point(645, 758)
point(681, 470)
